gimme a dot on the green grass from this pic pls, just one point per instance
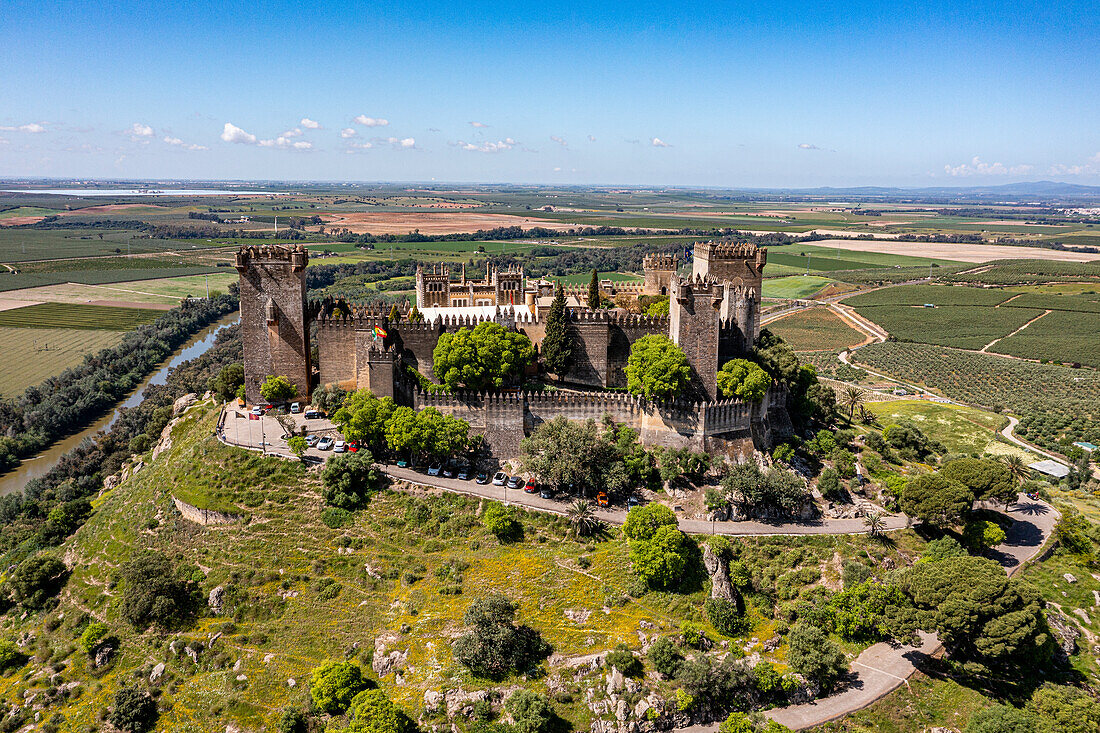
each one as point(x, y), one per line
point(935, 294)
point(960, 429)
point(585, 278)
point(22, 245)
point(77, 316)
point(795, 286)
point(31, 355)
point(26, 211)
point(815, 329)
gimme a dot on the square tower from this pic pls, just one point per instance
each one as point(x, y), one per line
point(659, 271)
point(274, 330)
point(738, 263)
point(433, 289)
point(695, 315)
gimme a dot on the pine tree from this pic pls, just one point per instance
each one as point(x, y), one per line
point(594, 291)
point(557, 350)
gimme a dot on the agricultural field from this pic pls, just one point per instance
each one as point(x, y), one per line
point(1028, 271)
point(795, 286)
point(32, 355)
point(815, 329)
point(76, 316)
point(938, 295)
point(25, 245)
point(962, 327)
point(1057, 405)
point(960, 429)
point(1064, 336)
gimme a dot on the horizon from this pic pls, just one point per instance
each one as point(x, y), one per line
point(717, 95)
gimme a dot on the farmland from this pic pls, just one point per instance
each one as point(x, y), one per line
point(795, 286)
point(960, 429)
point(73, 316)
point(1062, 336)
point(32, 355)
point(962, 327)
point(815, 329)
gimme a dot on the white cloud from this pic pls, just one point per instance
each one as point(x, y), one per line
point(557, 169)
point(1088, 169)
point(808, 146)
point(559, 140)
point(310, 124)
point(233, 134)
point(371, 121)
point(659, 143)
point(296, 132)
point(176, 142)
point(488, 147)
point(405, 142)
point(348, 132)
point(353, 146)
point(478, 124)
point(976, 167)
point(31, 127)
point(139, 130)
point(285, 143)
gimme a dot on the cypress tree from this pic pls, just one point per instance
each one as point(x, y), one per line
point(394, 315)
point(557, 350)
point(594, 291)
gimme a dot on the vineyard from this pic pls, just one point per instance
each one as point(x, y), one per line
point(1062, 336)
point(33, 355)
point(1057, 405)
point(77, 316)
point(1019, 272)
point(815, 329)
point(935, 294)
point(961, 327)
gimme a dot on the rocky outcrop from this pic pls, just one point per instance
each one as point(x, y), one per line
point(216, 599)
point(387, 660)
point(183, 403)
point(1065, 631)
point(718, 567)
point(204, 516)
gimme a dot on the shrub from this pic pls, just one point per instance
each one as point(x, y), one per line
point(277, 389)
point(853, 573)
point(660, 562)
point(980, 534)
point(372, 712)
point(530, 712)
point(665, 656)
point(657, 368)
point(155, 592)
point(744, 379)
point(134, 711)
point(1065, 709)
point(334, 684)
point(93, 634)
point(38, 579)
point(737, 723)
point(725, 617)
point(942, 549)
point(293, 720)
point(622, 659)
point(495, 646)
point(10, 655)
point(1002, 719)
point(349, 479)
point(829, 482)
point(642, 522)
point(335, 517)
point(815, 656)
point(501, 521)
point(721, 682)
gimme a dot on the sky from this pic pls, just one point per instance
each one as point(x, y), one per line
point(719, 94)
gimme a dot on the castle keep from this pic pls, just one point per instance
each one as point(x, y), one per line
point(714, 316)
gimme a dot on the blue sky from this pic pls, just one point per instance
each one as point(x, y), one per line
point(703, 93)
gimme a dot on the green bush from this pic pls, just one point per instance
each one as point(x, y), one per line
point(530, 712)
point(277, 388)
point(1002, 719)
point(372, 712)
point(156, 592)
point(725, 617)
point(349, 479)
point(495, 646)
point(335, 518)
point(501, 522)
point(661, 561)
point(134, 711)
point(815, 656)
point(293, 720)
point(10, 655)
point(665, 656)
point(979, 535)
point(37, 580)
point(92, 635)
point(334, 684)
point(642, 522)
point(622, 659)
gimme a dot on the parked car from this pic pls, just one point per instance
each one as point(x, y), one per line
point(325, 443)
point(449, 470)
point(257, 410)
point(313, 414)
point(500, 478)
point(295, 408)
point(531, 487)
point(463, 472)
point(340, 447)
point(311, 440)
point(601, 499)
point(402, 462)
point(515, 482)
point(546, 493)
point(353, 446)
point(482, 478)
point(633, 501)
point(434, 468)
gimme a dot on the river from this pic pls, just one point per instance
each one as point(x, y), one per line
point(40, 464)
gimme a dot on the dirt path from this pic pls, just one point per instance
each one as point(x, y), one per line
point(985, 349)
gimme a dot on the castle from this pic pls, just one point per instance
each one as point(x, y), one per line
point(714, 316)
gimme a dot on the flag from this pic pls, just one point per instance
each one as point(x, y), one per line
point(253, 416)
point(380, 332)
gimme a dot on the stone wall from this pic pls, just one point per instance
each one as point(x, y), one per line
point(336, 353)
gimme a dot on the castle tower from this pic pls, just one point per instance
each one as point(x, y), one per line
point(694, 325)
point(274, 330)
point(741, 264)
point(433, 289)
point(659, 271)
point(508, 286)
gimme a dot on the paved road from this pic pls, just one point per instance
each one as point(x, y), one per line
point(883, 667)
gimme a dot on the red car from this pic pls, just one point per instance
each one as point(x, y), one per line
point(531, 487)
point(601, 499)
point(353, 446)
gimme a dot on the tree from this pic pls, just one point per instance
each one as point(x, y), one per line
point(874, 523)
point(372, 712)
point(426, 432)
point(935, 499)
point(594, 291)
point(1065, 709)
point(942, 549)
point(851, 397)
point(277, 388)
point(986, 478)
point(557, 347)
point(737, 723)
point(334, 684)
point(665, 656)
point(134, 710)
point(156, 592)
point(530, 711)
point(582, 518)
point(10, 655)
point(660, 561)
point(756, 492)
point(228, 381)
point(293, 720)
point(657, 368)
point(980, 534)
point(495, 646)
point(363, 417)
point(658, 307)
point(395, 315)
point(571, 455)
point(642, 522)
point(1002, 719)
point(502, 522)
point(745, 379)
point(329, 398)
point(985, 619)
point(38, 579)
point(480, 359)
point(815, 656)
point(1017, 467)
point(298, 446)
point(349, 479)
point(93, 634)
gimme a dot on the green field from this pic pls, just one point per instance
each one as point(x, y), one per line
point(22, 245)
point(1062, 336)
point(939, 295)
point(795, 286)
point(10, 281)
point(77, 316)
point(32, 355)
point(815, 329)
point(960, 429)
point(26, 211)
point(961, 327)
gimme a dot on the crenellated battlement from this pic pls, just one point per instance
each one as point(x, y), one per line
point(296, 255)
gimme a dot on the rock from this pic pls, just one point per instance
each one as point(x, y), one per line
point(614, 681)
point(193, 651)
point(157, 673)
point(1066, 634)
point(460, 702)
point(184, 402)
point(103, 655)
point(1084, 616)
point(770, 645)
point(433, 701)
point(216, 599)
point(291, 682)
point(268, 658)
point(110, 482)
point(242, 678)
point(214, 638)
point(641, 709)
point(719, 569)
point(386, 662)
point(622, 710)
point(576, 616)
point(237, 666)
point(646, 625)
point(1096, 598)
point(1069, 578)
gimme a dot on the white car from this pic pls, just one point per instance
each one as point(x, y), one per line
point(500, 479)
point(296, 408)
point(257, 410)
point(324, 443)
point(340, 447)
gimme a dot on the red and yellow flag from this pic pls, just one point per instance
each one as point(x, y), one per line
point(380, 332)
